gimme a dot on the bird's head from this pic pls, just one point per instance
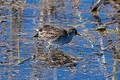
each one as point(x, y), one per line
point(73, 31)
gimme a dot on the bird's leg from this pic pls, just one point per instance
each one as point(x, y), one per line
point(56, 47)
point(50, 55)
point(48, 46)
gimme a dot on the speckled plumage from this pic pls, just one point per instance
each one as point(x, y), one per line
point(55, 35)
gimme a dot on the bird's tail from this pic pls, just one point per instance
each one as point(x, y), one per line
point(38, 29)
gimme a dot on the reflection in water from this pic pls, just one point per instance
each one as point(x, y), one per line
point(114, 48)
point(53, 59)
point(55, 63)
point(12, 41)
point(97, 18)
point(48, 9)
point(117, 54)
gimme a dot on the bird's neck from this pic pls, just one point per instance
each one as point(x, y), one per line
point(71, 35)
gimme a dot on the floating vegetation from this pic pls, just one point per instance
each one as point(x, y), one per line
point(112, 31)
point(101, 29)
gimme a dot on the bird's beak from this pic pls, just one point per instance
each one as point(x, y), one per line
point(78, 34)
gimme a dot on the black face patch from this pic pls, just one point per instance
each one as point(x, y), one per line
point(75, 32)
point(40, 30)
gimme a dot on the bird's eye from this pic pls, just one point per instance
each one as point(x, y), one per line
point(73, 30)
point(40, 30)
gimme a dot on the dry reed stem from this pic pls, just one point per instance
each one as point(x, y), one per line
point(15, 5)
point(23, 60)
point(76, 2)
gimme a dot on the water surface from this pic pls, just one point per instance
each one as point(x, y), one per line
point(90, 56)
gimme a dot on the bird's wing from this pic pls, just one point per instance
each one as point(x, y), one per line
point(50, 32)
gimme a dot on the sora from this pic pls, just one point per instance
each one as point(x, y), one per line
point(55, 35)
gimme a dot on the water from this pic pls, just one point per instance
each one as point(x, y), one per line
point(24, 57)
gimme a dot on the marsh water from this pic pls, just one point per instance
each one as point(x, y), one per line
point(95, 55)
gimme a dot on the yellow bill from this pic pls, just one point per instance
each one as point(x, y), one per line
point(78, 34)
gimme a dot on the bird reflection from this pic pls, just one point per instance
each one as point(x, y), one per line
point(56, 58)
point(45, 62)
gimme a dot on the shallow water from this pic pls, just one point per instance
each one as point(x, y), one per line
point(24, 57)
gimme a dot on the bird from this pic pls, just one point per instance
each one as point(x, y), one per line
point(56, 35)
